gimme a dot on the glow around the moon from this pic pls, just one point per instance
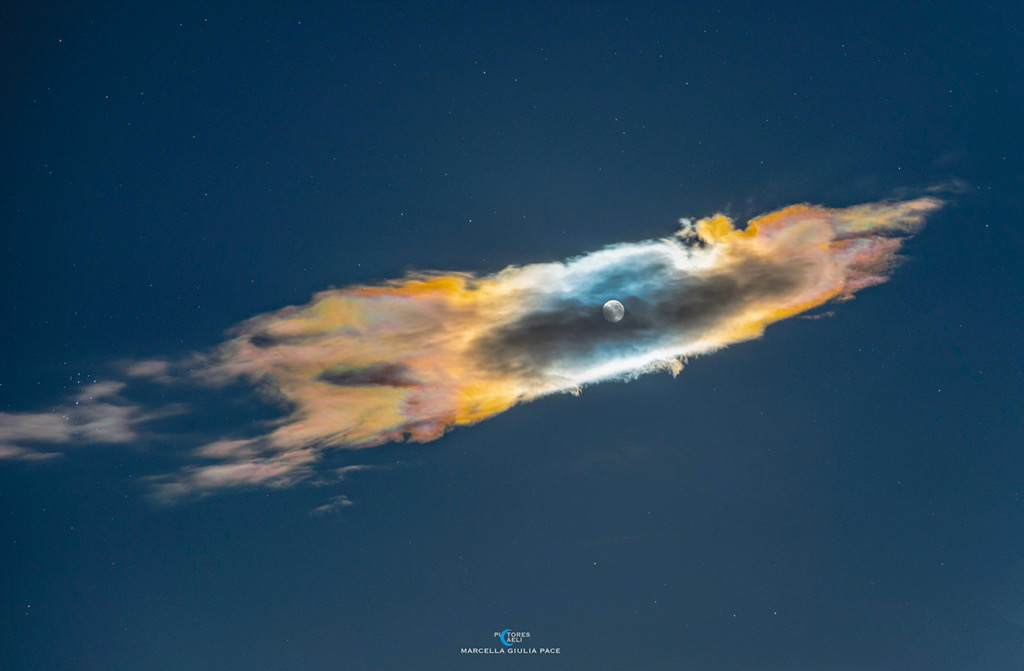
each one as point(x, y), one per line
point(613, 311)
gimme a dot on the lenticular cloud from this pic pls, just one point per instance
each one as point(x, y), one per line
point(412, 358)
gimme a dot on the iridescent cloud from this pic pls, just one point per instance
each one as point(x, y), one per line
point(410, 359)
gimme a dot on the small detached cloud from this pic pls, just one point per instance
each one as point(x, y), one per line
point(335, 504)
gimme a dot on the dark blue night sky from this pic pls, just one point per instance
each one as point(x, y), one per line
point(842, 494)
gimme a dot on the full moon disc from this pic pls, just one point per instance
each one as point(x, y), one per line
point(613, 311)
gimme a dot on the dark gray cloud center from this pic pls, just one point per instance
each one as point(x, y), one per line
point(661, 302)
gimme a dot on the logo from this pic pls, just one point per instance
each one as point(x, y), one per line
point(510, 638)
point(512, 642)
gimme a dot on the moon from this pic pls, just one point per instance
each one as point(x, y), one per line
point(613, 311)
